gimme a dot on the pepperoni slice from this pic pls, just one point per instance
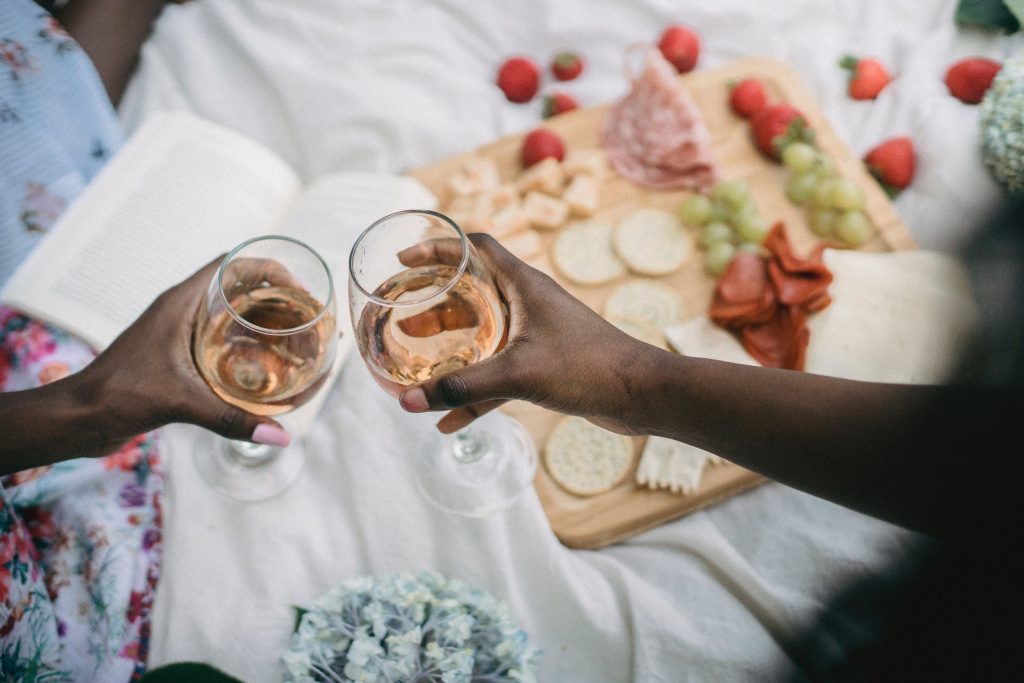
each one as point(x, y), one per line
point(765, 302)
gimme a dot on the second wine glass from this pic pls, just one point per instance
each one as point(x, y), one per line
point(265, 340)
point(423, 304)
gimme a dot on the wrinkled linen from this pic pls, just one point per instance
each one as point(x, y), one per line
point(723, 594)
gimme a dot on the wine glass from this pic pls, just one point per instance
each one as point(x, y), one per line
point(264, 341)
point(424, 304)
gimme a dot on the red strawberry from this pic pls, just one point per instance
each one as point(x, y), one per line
point(776, 125)
point(681, 47)
point(519, 79)
point(867, 77)
point(969, 78)
point(747, 97)
point(892, 163)
point(559, 103)
point(566, 66)
point(540, 144)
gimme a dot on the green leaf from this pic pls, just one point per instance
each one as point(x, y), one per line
point(194, 672)
point(1017, 8)
point(992, 15)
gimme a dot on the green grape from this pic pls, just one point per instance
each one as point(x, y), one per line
point(746, 208)
point(853, 228)
point(845, 195)
point(800, 186)
point(751, 227)
point(752, 248)
point(799, 156)
point(720, 212)
point(823, 221)
point(718, 257)
point(695, 210)
point(821, 195)
point(824, 165)
point(715, 232)
point(734, 193)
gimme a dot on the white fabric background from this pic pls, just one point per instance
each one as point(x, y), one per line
point(371, 85)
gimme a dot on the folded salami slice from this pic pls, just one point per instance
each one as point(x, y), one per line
point(655, 135)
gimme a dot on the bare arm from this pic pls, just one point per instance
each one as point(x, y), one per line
point(111, 32)
point(926, 457)
point(145, 379)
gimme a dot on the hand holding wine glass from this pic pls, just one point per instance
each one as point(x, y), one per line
point(265, 340)
point(424, 304)
point(559, 354)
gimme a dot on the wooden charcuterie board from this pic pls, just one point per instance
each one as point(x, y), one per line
point(596, 521)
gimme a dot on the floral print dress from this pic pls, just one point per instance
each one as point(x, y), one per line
point(79, 540)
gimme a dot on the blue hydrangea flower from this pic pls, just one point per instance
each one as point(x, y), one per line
point(1002, 125)
point(415, 628)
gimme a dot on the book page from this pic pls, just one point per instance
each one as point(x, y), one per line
point(180, 192)
point(329, 216)
point(331, 213)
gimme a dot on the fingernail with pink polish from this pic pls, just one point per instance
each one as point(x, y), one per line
point(415, 401)
point(271, 435)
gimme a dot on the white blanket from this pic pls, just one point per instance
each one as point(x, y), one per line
point(719, 595)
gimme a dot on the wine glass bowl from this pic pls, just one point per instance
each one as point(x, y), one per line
point(423, 304)
point(265, 340)
point(422, 301)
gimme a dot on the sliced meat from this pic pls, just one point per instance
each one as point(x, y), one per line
point(765, 301)
point(655, 135)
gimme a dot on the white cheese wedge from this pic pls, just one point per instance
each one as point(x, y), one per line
point(672, 465)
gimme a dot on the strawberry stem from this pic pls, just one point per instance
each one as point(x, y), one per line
point(849, 62)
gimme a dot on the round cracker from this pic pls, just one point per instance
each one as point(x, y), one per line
point(585, 459)
point(652, 242)
point(645, 300)
point(583, 253)
point(640, 329)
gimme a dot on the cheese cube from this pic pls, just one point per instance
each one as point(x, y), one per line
point(479, 216)
point(545, 212)
point(507, 221)
point(505, 195)
point(582, 195)
point(546, 176)
point(478, 174)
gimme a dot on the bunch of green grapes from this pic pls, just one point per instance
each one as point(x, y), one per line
point(835, 205)
point(729, 221)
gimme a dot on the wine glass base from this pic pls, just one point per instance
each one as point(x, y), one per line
point(493, 481)
point(249, 472)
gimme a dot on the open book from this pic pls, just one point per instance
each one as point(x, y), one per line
point(180, 192)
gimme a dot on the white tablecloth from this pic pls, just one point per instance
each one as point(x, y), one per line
point(719, 595)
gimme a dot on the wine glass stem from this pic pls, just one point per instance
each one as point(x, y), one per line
point(469, 446)
point(250, 454)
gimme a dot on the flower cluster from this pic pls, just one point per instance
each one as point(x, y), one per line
point(409, 628)
point(1002, 125)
